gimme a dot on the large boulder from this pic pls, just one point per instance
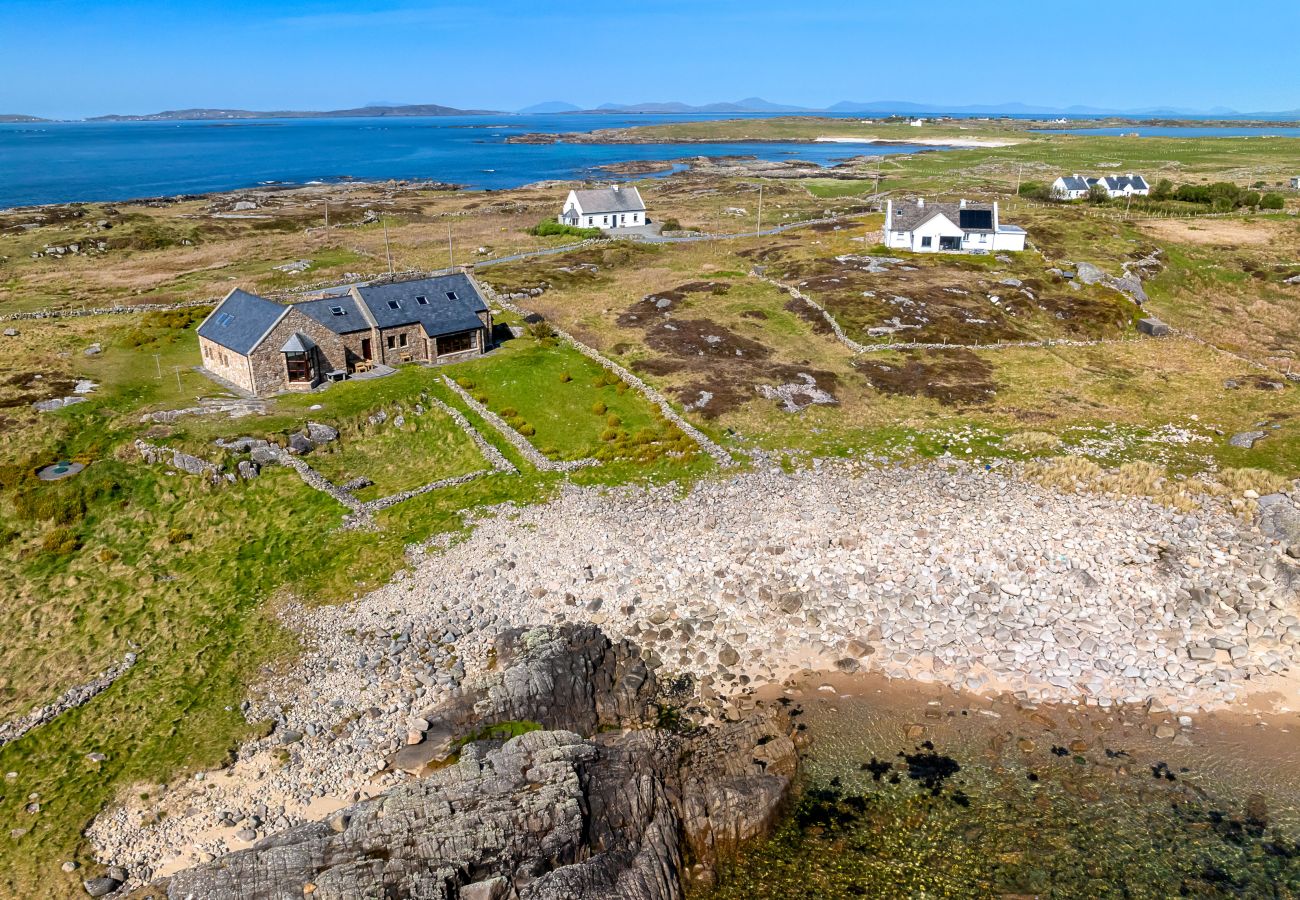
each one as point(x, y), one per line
point(322, 434)
point(300, 444)
point(588, 807)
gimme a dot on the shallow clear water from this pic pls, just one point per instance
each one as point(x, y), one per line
point(63, 162)
point(1183, 131)
point(912, 792)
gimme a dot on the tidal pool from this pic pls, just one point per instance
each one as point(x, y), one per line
point(918, 791)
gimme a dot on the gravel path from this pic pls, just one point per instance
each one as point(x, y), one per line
point(970, 578)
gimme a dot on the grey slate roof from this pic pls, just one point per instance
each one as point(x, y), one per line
point(240, 321)
point(322, 311)
point(909, 216)
point(440, 314)
point(1120, 182)
point(298, 343)
point(610, 200)
point(1074, 182)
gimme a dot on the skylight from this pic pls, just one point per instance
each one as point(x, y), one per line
point(338, 311)
point(225, 319)
point(451, 295)
point(422, 300)
point(393, 304)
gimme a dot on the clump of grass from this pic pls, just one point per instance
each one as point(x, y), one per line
point(565, 377)
point(1032, 442)
point(613, 421)
point(60, 540)
point(1146, 479)
point(599, 408)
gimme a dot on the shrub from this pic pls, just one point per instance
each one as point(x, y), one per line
point(60, 540)
point(465, 383)
point(565, 377)
point(1037, 190)
point(178, 536)
point(542, 331)
point(599, 408)
point(613, 421)
point(551, 228)
point(609, 434)
point(509, 412)
point(1272, 200)
point(481, 397)
point(1098, 194)
point(106, 555)
point(1163, 190)
point(527, 430)
point(671, 224)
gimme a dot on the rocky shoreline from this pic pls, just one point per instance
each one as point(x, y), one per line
point(944, 574)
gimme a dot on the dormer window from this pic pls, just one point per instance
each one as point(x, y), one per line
point(394, 304)
point(338, 311)
point(422, 300)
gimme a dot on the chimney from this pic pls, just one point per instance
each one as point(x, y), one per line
point(995, 215)
point(961, 204)
point(920, 202)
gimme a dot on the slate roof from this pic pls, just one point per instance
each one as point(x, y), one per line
point(298, 343)
point(609, 200)
point(322, 311)
point(1074, 182)
point(241, 320)
point(439, 314)
point(1120, 182)
point(909, 216)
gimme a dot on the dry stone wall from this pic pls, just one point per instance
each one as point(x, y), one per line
point(72, 698)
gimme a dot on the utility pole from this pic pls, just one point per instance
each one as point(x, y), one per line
point(327, 213)
point(877, 190)
point(178, 379)
point(451, 250)
point(759, 225)
point(387, 249)
point(157, 361)
point(1019, 169)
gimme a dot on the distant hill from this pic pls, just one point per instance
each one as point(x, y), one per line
point(204, 115)
point(748, 105)
point(550, 106)
point(17, 118)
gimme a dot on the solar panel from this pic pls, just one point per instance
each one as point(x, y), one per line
point(975, 218)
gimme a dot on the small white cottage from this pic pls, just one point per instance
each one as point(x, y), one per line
point(611, 207)
point(960, 227)
point(1070, 187)
point(1123, 185)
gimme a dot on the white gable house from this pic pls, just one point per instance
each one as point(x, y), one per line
point(1129, 185)
point(960, 227)
point(1070, 187)
point(611, 207)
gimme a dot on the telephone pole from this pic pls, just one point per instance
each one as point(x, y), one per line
point(327, 214)
point(451, 250)
point(388, 250)
point(758, 227)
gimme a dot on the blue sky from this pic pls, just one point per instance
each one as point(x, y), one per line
point(70, 58)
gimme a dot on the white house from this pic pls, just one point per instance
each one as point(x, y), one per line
point(1123, 185)
point(1295, 183)
point(611, 207)
point(1070, 187)
point(960, 227)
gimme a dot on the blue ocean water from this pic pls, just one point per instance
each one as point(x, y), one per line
point(89, 161)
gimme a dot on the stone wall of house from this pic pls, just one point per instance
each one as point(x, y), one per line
point(416, 345)
point(267, 359)
point(233, 367)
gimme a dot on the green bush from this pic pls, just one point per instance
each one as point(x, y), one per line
point(1036, 190)
point(465, 383)
point(599, 408)
point(1272, 200)
point(609, 434)
point(527, 430)
point(671, 224)
point(509, 412)
point(542, 331)
point(613, 421)
point(60, 540)
point(552, 228)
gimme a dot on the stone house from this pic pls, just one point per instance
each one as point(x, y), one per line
point(608, 208)
point(961, 227)
point(264, 346)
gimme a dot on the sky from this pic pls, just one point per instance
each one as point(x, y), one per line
point(74, 58)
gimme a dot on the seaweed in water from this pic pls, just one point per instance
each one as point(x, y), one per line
point(877, 768)
point(828, 808)
point(1060, 751)
point(1162, 770)
point(929, 768)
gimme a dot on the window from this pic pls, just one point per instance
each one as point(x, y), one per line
point(338, 311)
point(422, 300)
point(451, 295)
point(604, 220)
point(298, 366)
point(455, 343)
point(392, 342)
point(925, 241)
point(225, 319)
point(393, 304)
point(401, 339)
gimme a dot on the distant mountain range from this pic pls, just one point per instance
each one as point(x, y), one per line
point(748, 105)
point(759, 105)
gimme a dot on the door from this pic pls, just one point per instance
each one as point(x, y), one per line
point(365, 349)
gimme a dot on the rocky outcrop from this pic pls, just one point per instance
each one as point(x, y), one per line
point(598, 804)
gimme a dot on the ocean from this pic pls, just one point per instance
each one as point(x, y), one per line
point(106, 161)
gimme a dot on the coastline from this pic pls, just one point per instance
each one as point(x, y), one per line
point(741, 597)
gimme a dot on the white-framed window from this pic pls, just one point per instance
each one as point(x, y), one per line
point(925, 241)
